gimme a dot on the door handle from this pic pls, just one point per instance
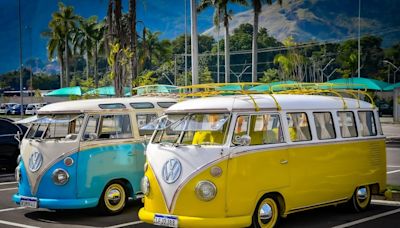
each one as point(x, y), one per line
point(284, 162)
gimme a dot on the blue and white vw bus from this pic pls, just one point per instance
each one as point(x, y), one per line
point(88, 153)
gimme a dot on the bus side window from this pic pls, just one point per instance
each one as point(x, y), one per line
point(367, 123)
point(347, 124)
point(115, 127)
point(265, 129)
point(143, 119)
point(299, 129)
point(324, 125)
point(91, 128)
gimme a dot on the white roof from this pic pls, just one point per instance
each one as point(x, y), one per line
point(266, 102)
point(80, 106)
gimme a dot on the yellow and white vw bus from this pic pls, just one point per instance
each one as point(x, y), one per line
point(247, 160)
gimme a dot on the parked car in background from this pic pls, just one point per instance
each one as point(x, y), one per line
point(18, 109)
point(5, 108)
point(385, 108)
point(9, 145)
point(32, 109)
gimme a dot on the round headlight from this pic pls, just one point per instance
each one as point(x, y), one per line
point(60, 177)
point(206, 190)
point(145, 185)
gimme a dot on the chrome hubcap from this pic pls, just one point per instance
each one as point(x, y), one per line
point(362, 194)
point(114, 196)
point(265, 213)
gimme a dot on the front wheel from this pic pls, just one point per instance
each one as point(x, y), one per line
point(113, 199)
point(361, 199)
point(267, 212)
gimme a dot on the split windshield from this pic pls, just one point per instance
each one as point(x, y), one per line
point(60, 126)
point(190, 129)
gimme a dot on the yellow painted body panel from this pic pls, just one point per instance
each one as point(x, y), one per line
point(315, 174)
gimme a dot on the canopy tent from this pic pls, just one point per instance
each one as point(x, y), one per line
point(274, 85)
point(359, 83)
point(66, 91)
point(142, 90)
point(392, 87)
point(107, 91)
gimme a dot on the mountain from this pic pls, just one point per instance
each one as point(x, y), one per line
point(324, 20)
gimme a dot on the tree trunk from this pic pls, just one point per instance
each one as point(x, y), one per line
point(227, 55)
point(254, 47)
point(132, 16)
point(62, 66)
point(87, 64)
point(96, 79)
point(66, 60)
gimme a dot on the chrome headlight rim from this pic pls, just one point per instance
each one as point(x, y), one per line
point(200, 188)
point(55, 178)
point(145, 185)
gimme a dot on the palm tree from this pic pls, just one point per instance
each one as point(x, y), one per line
point(55, 46)
point(257, 5)
point(84, 40)
point(221, 7)
point(66, 19)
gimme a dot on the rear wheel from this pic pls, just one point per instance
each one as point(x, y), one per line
point(113, 199)
point(267, 212)
point(361, 199)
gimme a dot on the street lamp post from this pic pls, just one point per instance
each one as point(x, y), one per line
point(394, 73)
point(20, 58)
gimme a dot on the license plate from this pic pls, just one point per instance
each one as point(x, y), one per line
point(29, 202)
point(165, 220)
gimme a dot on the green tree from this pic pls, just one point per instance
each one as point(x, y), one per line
point(65, 20)
point(270, 75)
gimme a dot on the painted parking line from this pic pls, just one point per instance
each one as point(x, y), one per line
point(125, 224)
point(356, 222)
point(12, 209)
point(5, 183)
point(394, 171)
point(16, 224)
point(7, 189)
point(386, 202)
point(393, 166)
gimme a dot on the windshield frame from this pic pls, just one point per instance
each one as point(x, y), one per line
point(186, 117)
point(46, 125)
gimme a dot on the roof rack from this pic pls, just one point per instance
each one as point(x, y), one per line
point(216, 89)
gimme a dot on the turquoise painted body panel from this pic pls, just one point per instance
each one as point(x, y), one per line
point(92, 170)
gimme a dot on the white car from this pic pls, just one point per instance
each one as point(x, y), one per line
point(5, 108)
point(32, 109)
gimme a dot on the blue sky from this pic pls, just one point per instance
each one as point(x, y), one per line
point(166, 16)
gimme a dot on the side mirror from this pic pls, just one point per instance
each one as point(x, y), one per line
point(241, 140)
point(71, 136)
point(90, 137)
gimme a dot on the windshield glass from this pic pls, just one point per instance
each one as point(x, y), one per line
point(191, 129)
point(60, 126)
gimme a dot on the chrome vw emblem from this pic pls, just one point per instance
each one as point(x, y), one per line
point(171, 171)
point(35, 161)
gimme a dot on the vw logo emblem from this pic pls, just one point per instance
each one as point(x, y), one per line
point(35, 161)
point(171, 170)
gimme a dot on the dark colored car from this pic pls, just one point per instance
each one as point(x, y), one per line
point(9, 149)
point(16, 109)
point(385, 109)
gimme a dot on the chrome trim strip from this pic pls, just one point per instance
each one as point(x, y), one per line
point(342, 200)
